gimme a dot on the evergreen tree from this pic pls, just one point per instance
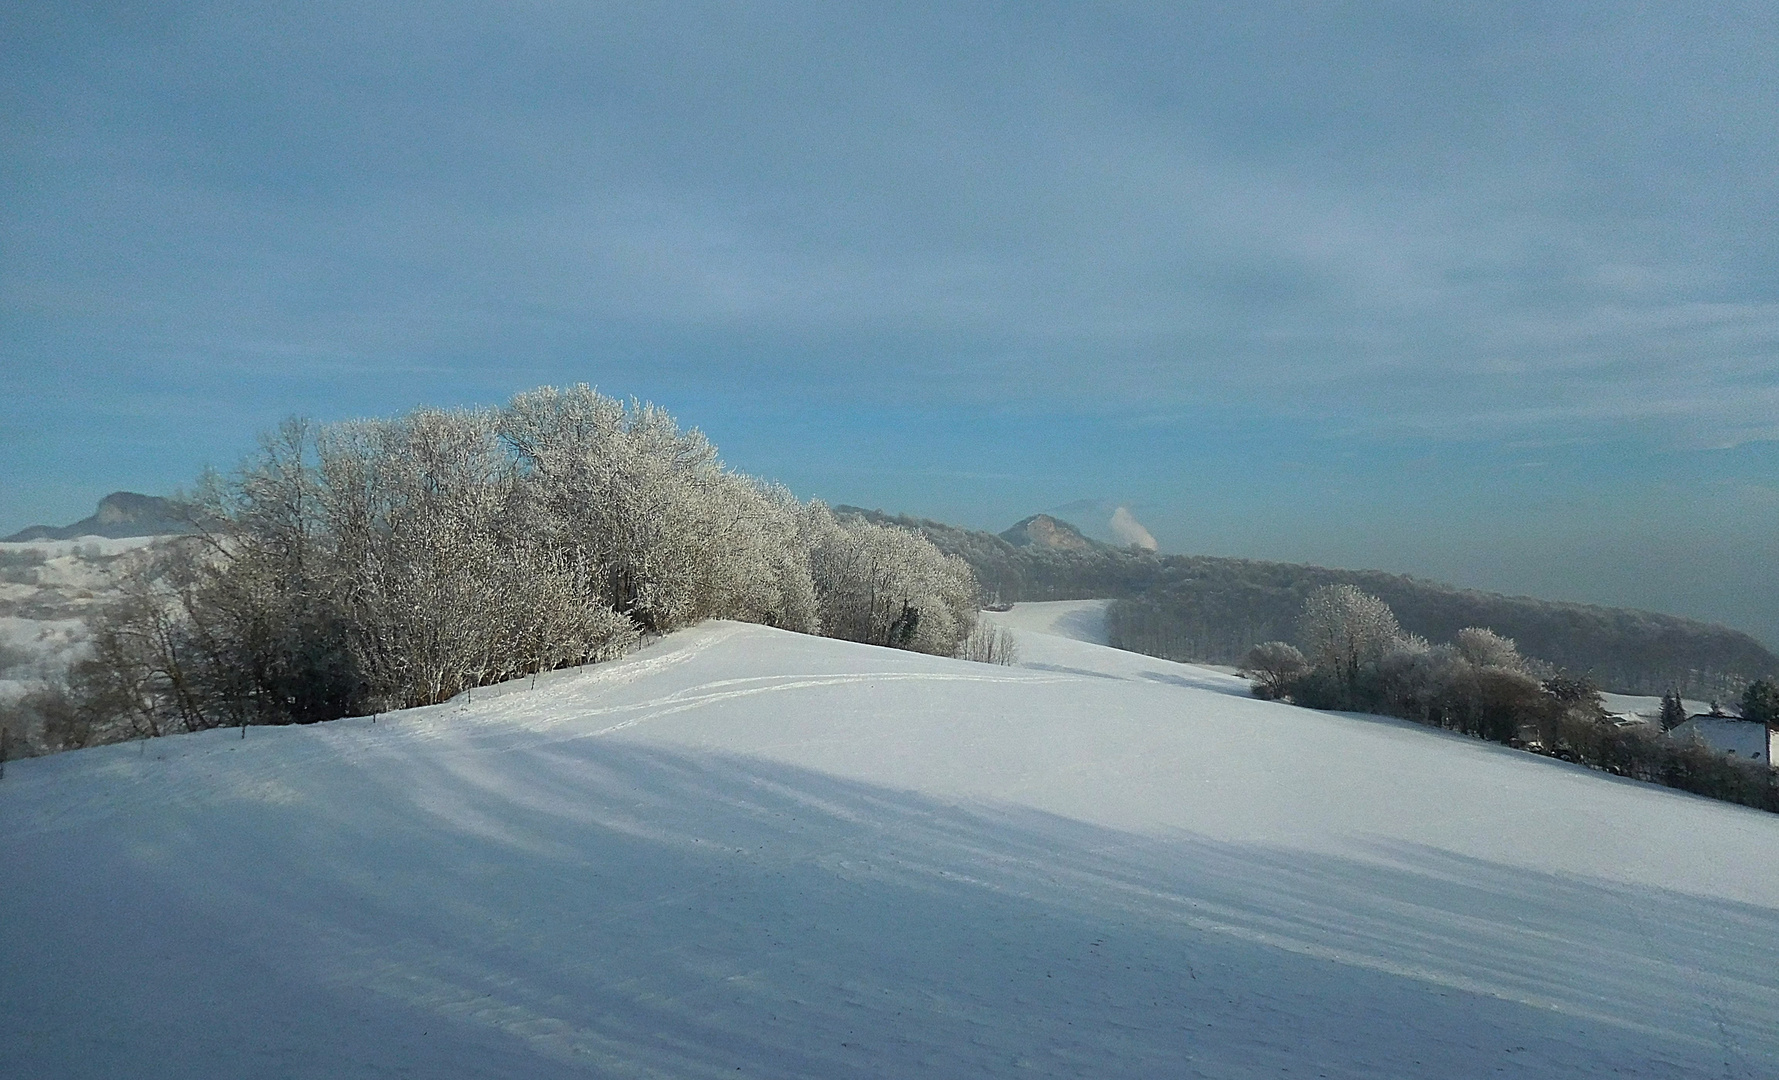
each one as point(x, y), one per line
point(1673, 712)
point(1760, 701)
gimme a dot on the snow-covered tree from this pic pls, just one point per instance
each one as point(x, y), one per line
point(1485, 648)
point(672, 535)
point(444, 587)
point(1343, 628)
point(888, 586)
point(1273, 665)
point(387, 563)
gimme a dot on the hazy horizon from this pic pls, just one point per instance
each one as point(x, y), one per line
point(1484, 293)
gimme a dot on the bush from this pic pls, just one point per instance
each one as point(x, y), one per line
point(382, 564)
point(1273, 665)
point(1481, 686)
point(990, 644)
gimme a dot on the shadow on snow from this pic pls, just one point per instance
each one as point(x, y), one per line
point(589, 907)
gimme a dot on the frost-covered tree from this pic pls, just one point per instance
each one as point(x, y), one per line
point(365, 565)
point(380, 564)
point(1485, 648)
point(888, 586)
point(158, 661)
point(1415, 676)
point(1273, 665)
point(671, 535)
point(444, 588)
point(1344, 628)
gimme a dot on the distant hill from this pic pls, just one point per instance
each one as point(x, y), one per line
point(1050, 561)
point(1044, 531)
point(120, 514)
point(1200, 607)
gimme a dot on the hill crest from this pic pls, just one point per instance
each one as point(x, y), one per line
point(1044, 531)
point(119, 515)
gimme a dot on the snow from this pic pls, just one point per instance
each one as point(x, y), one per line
point(81, 548)
point(745, 852)
point(1743, 739)
point(48, 589)
point(1645, 708)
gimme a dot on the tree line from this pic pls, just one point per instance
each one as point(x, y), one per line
point(371, 565)
point(1357, 657)
point(1214, 609)
point(1218, 608)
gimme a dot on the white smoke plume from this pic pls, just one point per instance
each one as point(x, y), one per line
point(1130, 531)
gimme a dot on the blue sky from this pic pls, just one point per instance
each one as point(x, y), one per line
point(1487, 292)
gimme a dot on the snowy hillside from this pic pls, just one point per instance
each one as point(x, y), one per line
point(746, 852)
point(47, 590)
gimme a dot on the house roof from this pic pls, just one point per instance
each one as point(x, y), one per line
point(1747, 739)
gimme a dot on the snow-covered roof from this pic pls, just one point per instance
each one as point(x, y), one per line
point(1747, 739)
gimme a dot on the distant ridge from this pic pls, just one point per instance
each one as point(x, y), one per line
point(120, 514)
point(1207, 608)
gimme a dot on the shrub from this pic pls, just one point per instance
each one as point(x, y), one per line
point(888, 586)
point(990, 644)
point(380, 564)
point(1273, 665)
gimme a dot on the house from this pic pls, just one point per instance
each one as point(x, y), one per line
point(1745, 740)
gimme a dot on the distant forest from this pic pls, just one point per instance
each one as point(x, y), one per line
point(1203, 608)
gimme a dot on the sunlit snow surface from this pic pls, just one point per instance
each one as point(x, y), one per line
point(744, 852)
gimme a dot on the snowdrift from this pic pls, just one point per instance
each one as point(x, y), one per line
point(745, 852)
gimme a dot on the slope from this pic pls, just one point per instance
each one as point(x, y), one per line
point(743, 852)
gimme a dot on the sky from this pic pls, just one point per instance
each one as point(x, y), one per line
point(1486, 292)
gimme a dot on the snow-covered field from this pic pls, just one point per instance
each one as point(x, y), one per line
point(744, 852)
point(47, 588)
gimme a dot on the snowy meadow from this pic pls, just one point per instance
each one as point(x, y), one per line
point(742, 851)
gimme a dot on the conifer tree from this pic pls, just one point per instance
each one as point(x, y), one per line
point(1673, 712)
point(1760, 701)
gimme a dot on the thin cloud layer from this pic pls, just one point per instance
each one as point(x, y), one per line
point(1480, 225)
point(1403, 218)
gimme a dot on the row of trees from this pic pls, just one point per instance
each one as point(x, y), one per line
point(1760, 703)
point(383, 564)
point(1357, 657)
